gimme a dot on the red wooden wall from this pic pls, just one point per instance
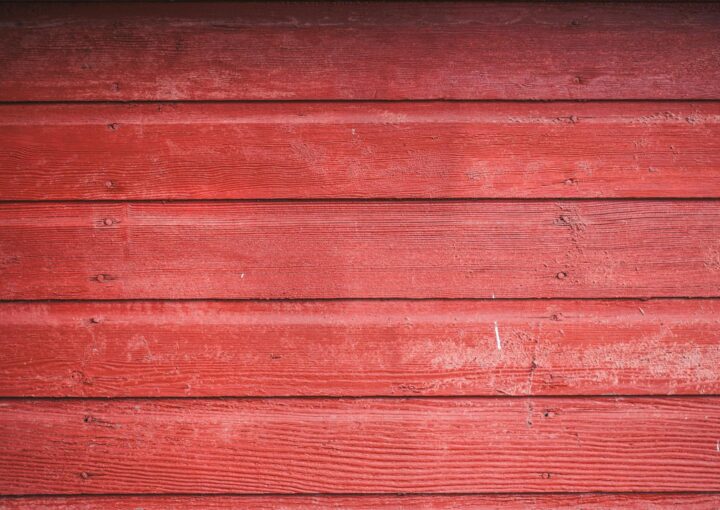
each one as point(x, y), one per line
point(359, 255)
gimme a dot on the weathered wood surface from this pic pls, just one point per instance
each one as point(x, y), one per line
point(152, 51)
point(368, 150)
point(150, 349)
point(447, 249)
point(360, 445)
point(426, 502)
point(512, 407)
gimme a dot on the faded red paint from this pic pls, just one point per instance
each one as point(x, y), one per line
point(455, 287)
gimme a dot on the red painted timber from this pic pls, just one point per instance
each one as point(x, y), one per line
point(368, 150)
point(151, 349)
point(527, 249)
point(430, 502)
point(359, 446)
point(152, 51)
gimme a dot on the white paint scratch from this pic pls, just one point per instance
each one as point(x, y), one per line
point(497, 332)
point(497, 337)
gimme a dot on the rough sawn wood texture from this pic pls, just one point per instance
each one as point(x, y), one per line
point(359, 255)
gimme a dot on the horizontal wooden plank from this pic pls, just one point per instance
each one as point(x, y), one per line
point(148, 349)
point(368, 150)
point(447, 249)
point(137, 51)
point(433, 502)
point(359, 446)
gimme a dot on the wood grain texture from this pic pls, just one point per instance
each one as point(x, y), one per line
point(368, 150)
point(148, 401)
point(137, 51)
point(150, 349)
point(524, 249)
point(427, 502)
point(359, 446)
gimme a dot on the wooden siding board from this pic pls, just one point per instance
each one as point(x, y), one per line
point(216, 349)
point(220, 51)
point(368, 150)
point(360, 445)
point(447, 249)
point(426, 502)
